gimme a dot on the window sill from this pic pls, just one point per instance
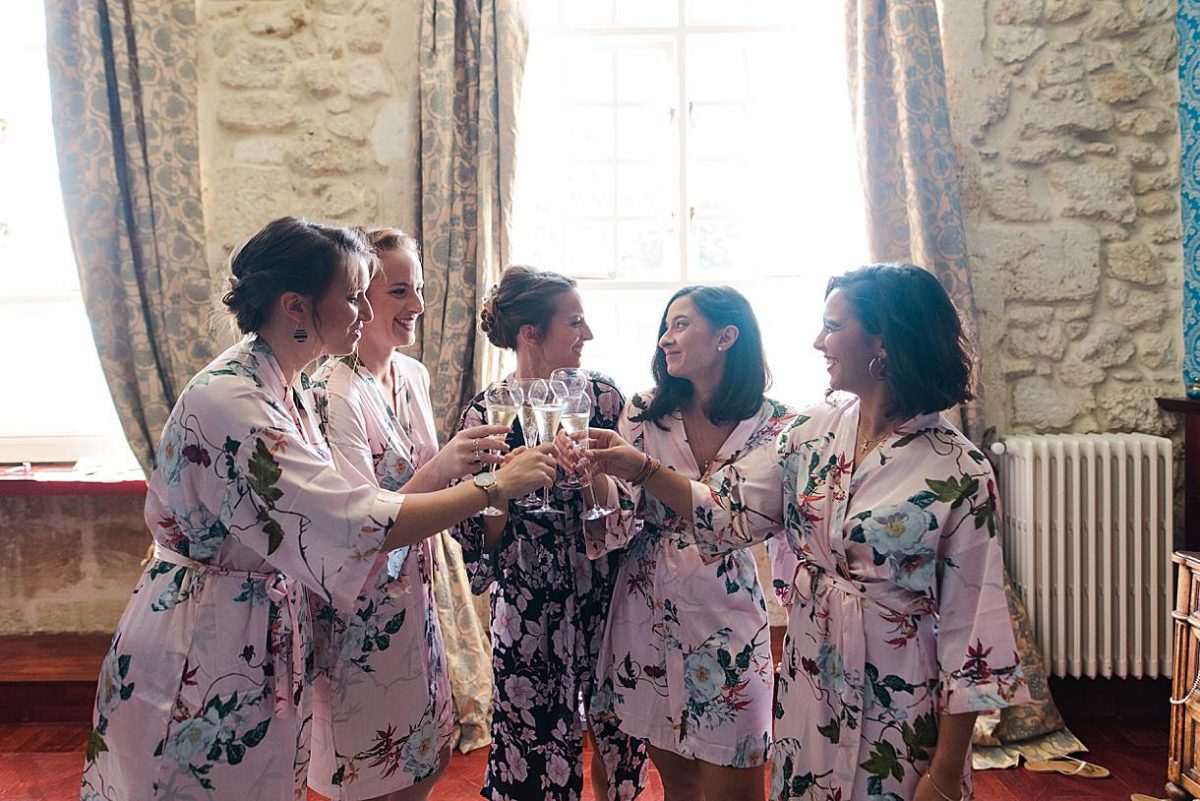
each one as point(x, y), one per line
point(45, 480)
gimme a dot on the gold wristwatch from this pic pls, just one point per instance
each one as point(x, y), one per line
point(486, 481)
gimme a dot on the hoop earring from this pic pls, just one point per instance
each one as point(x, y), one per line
point(877, 367)
point(300, 334)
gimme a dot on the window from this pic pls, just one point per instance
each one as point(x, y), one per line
point(54, 405)
point(672, 142)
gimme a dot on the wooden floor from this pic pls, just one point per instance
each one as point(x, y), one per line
point(1124, 723)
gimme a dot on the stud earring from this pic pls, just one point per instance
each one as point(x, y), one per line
point(300, 334)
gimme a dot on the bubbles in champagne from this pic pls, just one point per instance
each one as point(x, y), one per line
point(501, 415)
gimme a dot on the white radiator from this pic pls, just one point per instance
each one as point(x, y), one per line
point(1087, 541)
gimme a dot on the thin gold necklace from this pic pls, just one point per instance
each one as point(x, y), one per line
point(867, 443)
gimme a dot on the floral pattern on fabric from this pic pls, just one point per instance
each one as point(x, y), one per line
point(549, 606)
point(897, 611)
point(686, 661)
point(206, 690)
point(383, 713)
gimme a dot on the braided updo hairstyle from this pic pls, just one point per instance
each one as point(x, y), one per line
point(287, 255)
point(524, 296)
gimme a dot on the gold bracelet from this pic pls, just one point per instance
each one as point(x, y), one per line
point(653, 470)
point(938, 790)
point(643, 472)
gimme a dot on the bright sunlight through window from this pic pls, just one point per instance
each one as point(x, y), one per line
point(672, 142)
point(55, 405)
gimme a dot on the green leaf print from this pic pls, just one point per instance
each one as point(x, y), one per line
point(884, 761)
point(264, 473)
point(395, 624)
point(95, 745)
point(256, 735)
point(920, 736)
point(234, 753)
point(923, 499)
point(273, 530)
point(831, 731)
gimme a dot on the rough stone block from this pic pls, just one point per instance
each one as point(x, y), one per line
point(223, 39)
point(1041, 265)
point(1077, 373)
point(1045, 406)
point(259, 150)
point(1147, 12)
point(1007, 197)
point(1046, 116)
point(1106, 345)
point(1110, 19)
point(250, 196)
point(1152, 182)
point(1144, 310)
point(1157, 48)
point(281, 21)
point(1062, 65)
point(1017, 12)
point(1132, 406)
point(1120, 86)
point(1134, 261)
point(1097, 191)
point(355, 127)
point(322, 80)
point(255, 66)
point(1146, 156)
point(1157, 203)
point(1024, 316)
point(368, 79)
point(1157, 351)
point(1063, 10)
point(1167, 232)
point(367, 34)
point(257, 111)
point(1017, 44)
point(1048, 342)
point(316, 153)
point(340, 200)
point(1146, 122)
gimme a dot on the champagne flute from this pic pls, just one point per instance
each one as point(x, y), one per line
point(529, 429)
point(502, 400)
point(577, 414)
point(574, 379)
point(548, 401)
point(596, 511)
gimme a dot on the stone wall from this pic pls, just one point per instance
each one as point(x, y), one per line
point(1064, 113)
point(68, 563)
point(307, 107)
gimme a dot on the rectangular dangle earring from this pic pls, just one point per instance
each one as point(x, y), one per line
point(300, 334)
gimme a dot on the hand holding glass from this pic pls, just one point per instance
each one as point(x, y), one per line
point(577, 414)
point(502, 401)
point(547, 399)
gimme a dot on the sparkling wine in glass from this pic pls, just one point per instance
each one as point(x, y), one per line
point(547, 412)
point(502, 401)
point(576, 416)
point(532, 388)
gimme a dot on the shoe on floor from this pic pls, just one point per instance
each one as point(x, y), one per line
point(1069, 766)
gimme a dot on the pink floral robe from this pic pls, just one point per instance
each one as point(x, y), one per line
point(206, 690)
point(897, 610)
point(686, 660)
point(382, 712)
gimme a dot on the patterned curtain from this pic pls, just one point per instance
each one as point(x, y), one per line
point(906, 155)
point(123, 84)
point(1187, 23)
point(471, 64)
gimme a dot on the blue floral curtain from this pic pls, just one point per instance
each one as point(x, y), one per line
point(906, 153)
point(123, 83)
point(1188, 23)
point(472, 62)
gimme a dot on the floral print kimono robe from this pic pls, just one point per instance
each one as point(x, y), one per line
point(206, 689)
point(549, 603)
point(382, 712)
point(686, 662)
point(897, 611)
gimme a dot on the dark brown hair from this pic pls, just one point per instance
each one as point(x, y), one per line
point(928, 365)
point(524, 296)
point(739, 396)
point(287, 255)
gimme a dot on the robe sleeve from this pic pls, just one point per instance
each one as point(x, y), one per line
point(977, 653)
point(346, 432)
point(617, 530)
point(482, 565)
point(285, 501)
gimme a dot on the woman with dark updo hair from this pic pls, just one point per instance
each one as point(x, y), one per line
point(549, 600)
point(206, 688)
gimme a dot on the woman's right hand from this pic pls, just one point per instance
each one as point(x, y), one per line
point(529, 470)
point(612, 455)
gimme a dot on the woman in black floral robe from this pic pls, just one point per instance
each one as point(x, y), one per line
point(549, 600)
